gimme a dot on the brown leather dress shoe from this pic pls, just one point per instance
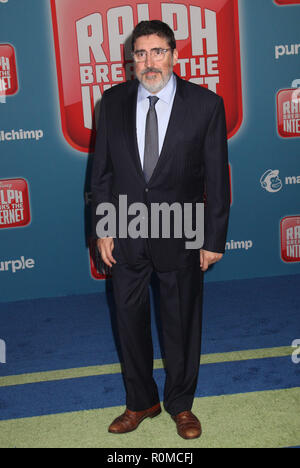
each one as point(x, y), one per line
point(188, 426)
point(130, 420)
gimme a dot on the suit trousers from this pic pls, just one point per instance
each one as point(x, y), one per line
point(180, 298)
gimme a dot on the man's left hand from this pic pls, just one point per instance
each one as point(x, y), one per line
point(208, 258)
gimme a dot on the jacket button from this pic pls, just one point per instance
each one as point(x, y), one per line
point(146, 190)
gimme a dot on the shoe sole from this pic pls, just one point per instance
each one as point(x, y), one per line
point(190, 438)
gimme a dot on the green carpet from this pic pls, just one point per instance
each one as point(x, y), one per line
point(267, 419)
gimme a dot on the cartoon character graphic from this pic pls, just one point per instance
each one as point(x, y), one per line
point(270, 181)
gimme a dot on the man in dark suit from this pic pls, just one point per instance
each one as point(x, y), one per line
point(160, 140)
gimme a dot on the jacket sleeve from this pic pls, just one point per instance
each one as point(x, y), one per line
point(102, 170)
point(217, 184)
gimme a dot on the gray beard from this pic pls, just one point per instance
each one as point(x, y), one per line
point(156, 88)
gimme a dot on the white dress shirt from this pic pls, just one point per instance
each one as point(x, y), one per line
point(163, 109)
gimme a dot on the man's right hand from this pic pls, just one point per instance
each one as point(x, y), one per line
point(105, 247)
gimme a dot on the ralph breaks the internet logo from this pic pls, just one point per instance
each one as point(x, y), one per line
point(8, 70)
point(14, 203)
point(290, 239)
point(288, 113)
point(93, 53)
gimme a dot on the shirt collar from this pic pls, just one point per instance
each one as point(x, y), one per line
point(165, 95)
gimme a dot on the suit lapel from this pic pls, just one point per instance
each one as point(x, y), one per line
point(129, 116)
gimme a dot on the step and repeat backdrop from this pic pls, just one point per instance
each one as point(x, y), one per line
point(57, 57)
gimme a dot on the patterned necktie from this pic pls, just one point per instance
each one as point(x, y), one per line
point(151, 154)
